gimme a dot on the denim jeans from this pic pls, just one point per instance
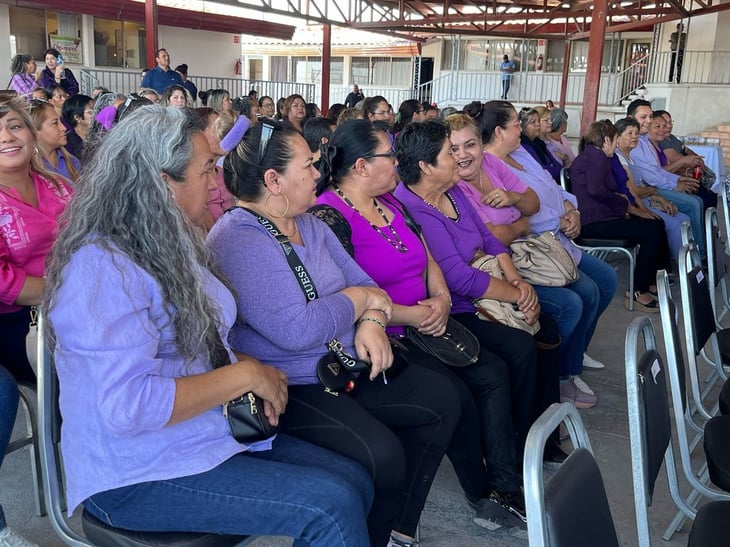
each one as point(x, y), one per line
point(295, 489)
point(505, 87)
point(577, 307)
point(8, 409)
point(692, 206)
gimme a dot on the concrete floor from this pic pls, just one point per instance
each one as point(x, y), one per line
point(446, 521)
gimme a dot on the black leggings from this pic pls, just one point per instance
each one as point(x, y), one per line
point(14, 328)
point(485, 431)
point(649, 234)
point(399, 432)
point(533, 372)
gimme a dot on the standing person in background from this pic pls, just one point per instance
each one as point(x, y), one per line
point(677, 43)
point(24, 79)
point(56, 73)
point(182, 70)
point(506, 67)
point(354, 97)
point(162, 76)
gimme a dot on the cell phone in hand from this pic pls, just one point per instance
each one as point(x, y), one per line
point(59, 59)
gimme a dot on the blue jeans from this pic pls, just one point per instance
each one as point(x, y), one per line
point(295, 489)
point(8, 409)
point(576, 309)
point(692, 206)
point(505, 87)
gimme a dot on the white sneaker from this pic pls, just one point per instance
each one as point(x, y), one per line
point(11, 538)
point(580, 384)
point(590, 362)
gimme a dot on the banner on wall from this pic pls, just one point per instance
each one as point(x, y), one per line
point(69, 47)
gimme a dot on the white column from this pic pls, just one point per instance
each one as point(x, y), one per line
point(6, 49)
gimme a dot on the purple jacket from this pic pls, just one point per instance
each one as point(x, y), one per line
point(594, 186)
point(68, 82)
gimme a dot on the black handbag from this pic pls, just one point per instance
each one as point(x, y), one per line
point(245, 414)
point(247, 420)
point(457, 347)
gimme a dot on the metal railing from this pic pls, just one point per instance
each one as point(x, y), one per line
point(692, 67)
point(624, 83)
point(121, 81)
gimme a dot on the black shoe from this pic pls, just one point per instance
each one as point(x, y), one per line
point(501, 509)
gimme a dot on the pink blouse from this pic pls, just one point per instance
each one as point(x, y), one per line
point(26, 236)
point(502, 177)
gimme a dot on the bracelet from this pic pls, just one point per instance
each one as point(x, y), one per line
point(373, 319)
point(443, 293)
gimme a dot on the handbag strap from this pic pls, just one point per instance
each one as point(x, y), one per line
point(295, 263)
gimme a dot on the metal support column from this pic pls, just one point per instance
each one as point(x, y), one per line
point(326, 58)
point(595, 58)
point(566, 70)
point(150, 28)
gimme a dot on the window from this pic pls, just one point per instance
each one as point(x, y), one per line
point(382, 71)
point(609, 63)
point(119, 43)
point(486, 55)
point(28, 26)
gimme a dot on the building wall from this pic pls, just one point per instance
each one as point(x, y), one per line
point(206, 53)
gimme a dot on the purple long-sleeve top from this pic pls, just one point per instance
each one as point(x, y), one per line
point(647, 162)
point(68, 82)
point(117, 362)
point(594, 186)
point(454, 243)
point(24, 84)
point(538, 149)
point(276, 323)
point(621, 178)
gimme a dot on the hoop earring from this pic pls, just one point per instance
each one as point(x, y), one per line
point(268, 210)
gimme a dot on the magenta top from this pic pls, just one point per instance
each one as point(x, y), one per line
point(501, 177)
point(401, 275)
point(454, 243)
point(26, 236)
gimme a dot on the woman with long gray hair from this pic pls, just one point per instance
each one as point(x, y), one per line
point(137, 318)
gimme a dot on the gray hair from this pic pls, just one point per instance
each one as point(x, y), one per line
point(124, 205)
point(558, 117)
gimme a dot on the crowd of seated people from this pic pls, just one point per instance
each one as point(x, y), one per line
point(385, 209)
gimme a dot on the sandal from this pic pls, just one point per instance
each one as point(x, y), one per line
point(650, 307)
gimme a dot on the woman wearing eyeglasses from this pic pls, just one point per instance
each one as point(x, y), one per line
point(78, 115)
point(377, 108)
point(31, 200)
point(408, 111)
point(356, 201)
point(297, 297)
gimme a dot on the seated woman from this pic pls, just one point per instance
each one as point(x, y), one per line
point(535, 124)
point(557, 143)
point(377, 108)
point(177, 96)
point(78, 115)
point(648, 202)
point(393, 424)
point(408, 111)
point(31, 200)
point(52, 141)
point(23, 79)
point(355, 200)
point(606, 213)
point(220, 101)
point(455, 235)
point(575, 307)
point(294, 111)
point(138, 324)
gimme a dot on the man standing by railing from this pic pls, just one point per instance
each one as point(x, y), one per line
point(677, 43)
point(507, 67)
point(162, 76)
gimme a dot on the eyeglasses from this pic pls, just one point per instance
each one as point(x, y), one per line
point(60, 96)
point(390, 155)
point(88, 110)
point(267, 129)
